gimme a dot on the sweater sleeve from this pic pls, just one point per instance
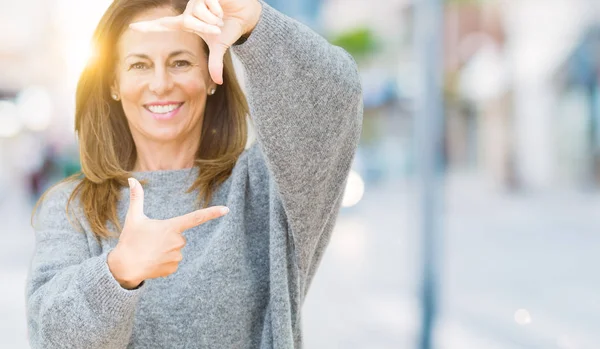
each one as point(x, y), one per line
point(305, 100)
point(73, 301)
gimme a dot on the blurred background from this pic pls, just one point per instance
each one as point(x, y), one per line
point(517, 244)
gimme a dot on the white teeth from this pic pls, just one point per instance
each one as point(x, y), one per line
point(163, 109)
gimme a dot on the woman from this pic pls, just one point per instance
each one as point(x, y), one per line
point(144, 267)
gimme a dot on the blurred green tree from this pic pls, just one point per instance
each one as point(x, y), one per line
point(359, 42)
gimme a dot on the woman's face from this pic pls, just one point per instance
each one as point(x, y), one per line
point(162, 80)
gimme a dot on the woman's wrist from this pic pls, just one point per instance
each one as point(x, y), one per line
point(121, 271)
point(253, 19)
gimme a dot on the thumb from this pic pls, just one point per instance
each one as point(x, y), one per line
point(215, 61)
point(136, 199)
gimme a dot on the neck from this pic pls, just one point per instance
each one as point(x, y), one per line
point(175, 155)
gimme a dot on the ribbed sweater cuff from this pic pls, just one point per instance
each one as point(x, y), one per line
point(103, 292)
point(269, 34)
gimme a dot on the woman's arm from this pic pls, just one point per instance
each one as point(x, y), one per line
point(305, 100)
point(73, 301)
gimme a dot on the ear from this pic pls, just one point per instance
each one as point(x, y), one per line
point(114, 87)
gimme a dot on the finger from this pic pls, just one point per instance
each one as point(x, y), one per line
point(196, 218)
point(176, 256)
point(201, 12)
point(193, 24)
point(177, 242)
point(167, 269)
point(215, 7)
point(159, 25)
point(136, 199)
point(185, 22)
point(215, 62)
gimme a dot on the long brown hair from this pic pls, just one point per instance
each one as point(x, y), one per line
point(106, 147)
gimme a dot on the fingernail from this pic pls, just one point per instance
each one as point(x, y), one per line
point(221, 23)
point(131, 183)
point(225, 210)
point(215, 30)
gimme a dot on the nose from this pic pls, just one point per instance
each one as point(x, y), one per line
point(161, 82)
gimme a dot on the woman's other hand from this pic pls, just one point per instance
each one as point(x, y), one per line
point(150, 248)
point(220, 23)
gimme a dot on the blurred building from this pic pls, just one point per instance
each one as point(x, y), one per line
point(505, 108)
point(41, 56)
point(478, 119)
point(578, 85)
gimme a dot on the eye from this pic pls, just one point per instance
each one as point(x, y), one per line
point(181, 64)
point(138, 66)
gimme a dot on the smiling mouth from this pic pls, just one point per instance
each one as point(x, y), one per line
point(162, 109)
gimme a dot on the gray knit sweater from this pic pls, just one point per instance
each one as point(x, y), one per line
point(244, 276)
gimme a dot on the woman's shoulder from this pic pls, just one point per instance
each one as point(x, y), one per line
point(254, 157)
point(62, 190)
point(54, 202)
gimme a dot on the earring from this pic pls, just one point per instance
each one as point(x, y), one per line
point(212, 91)
point(115, 96)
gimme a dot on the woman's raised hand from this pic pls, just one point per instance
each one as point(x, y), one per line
point(150, 248)
point(220, 23)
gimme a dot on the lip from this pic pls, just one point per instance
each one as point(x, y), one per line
point(166, 116)
point(162, 103)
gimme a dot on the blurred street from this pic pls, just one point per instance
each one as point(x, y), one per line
point(502, 253)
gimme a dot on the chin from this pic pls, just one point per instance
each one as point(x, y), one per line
point(165, 135)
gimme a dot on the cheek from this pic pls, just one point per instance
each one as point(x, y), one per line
point(131, 100)
point(131, 90)
point(192, 87)
point(195, 92)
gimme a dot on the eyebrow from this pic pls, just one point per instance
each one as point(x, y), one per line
point(172, 54)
